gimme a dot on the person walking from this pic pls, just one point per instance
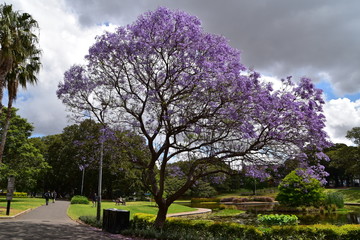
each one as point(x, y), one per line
point(47, 196)
point(54, 195)
point(94, 200)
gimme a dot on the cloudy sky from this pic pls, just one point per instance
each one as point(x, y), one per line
point(318, 39)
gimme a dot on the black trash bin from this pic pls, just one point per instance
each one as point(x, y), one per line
point(115, 220)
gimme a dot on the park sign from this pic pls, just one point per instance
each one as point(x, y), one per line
point(10, 188)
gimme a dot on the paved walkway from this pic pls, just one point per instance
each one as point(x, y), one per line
point(50, 222)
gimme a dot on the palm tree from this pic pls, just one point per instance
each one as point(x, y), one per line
point(19, 57)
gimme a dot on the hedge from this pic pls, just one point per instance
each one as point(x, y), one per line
point(77, 199)
point(16, 194)
point(225, 230)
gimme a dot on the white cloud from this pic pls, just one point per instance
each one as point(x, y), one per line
point(341, 115)
point(275, 81)
point(64, 42)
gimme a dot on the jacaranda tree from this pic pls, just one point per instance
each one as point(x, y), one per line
point(186, 92)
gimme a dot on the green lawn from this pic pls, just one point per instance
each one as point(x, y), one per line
point(19, 204)
point(77, 210)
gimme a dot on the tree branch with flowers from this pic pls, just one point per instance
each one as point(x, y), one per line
point(187, 93)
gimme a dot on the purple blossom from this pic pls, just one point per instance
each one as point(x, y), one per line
point(258, 172)
point(165, 78)
point(175, 171)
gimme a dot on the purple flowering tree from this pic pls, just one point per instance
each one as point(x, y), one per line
point(257, 172)
point(186, 92)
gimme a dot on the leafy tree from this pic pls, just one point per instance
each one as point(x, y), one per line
point(77, 148)
point(19, 57)
point(186, 92)
point(344, 164)
point(21, 157)
point(300, 188)
point(354, 135)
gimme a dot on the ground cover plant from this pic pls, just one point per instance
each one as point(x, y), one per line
point(19, 204)
point(277, 219)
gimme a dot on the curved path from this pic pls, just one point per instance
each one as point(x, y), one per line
point(50, 222)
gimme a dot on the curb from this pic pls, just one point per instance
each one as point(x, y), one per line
point(198, 211)
point(16, 215)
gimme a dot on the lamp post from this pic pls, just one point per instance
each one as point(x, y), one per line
point(82, 168)
point(102, 139)
point(98, 214)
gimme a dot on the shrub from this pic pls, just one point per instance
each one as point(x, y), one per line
point(299, 189)
point(79, 200)
point(335, 198)
point(177, 228)
point(20, 194)
point(199, 200)
point(276, 219)
point(91, 220)
point(256, 199)
point(180, 228)
point(228, 199)
point(15, 194)
point(263, 199)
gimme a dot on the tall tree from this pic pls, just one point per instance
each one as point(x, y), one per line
point(186, 92)
point(21, 157)
point(77, 147)
point(19, 57)
point(354, 135)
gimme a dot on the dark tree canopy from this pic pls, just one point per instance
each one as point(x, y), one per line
point(186, 92)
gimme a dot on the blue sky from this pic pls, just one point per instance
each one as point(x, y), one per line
point(330, 92)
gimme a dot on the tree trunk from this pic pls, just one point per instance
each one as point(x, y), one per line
point(2, 83)
point(5, 129)
point(161, 215)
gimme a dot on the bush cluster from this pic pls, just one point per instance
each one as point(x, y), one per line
point(91, 220)
point(177, 228)
point(180, 228)
point(335, 198)
point(16, 194)
point(199, 200)
point(250, 199)
point(298, 189)
point(277, 219)
point(79, 200)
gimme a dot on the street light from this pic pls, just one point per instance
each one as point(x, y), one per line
point(100, 179)
point(102, 115)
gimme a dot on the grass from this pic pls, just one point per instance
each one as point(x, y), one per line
point(18, 205)
point(351, 195)
point(77, 210)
